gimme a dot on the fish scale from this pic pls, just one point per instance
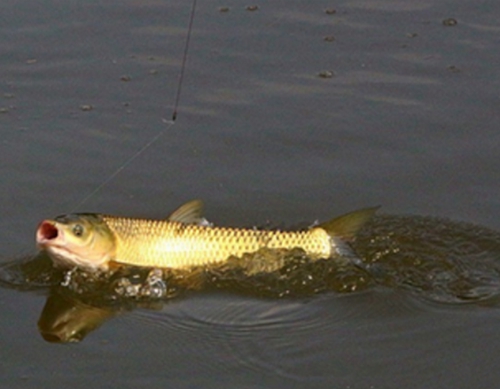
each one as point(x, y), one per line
point(94, 241)
point(178, 245)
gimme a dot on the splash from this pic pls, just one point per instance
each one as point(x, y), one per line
point(436, 259)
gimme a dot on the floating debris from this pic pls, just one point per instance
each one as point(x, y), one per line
point(329, 38)
point(453, 68)
point(125, 78)
point(326, 74)
point(153, 72)
point(4, 110)
point(86, 107)
point(8, 95)
point(252, 8)
point(330, 11)
point(31, 61)
point(224, 9)
point(450, 22)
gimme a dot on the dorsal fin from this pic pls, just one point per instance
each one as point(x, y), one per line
point(348, 225)
point(189, 213)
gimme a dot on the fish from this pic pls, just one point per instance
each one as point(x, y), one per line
point(99, 242)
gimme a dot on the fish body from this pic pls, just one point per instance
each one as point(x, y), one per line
point(179, 245)
point(183, 241)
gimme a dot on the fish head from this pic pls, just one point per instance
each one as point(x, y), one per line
point(82, 240)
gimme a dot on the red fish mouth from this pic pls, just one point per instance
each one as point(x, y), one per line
point(47, 231)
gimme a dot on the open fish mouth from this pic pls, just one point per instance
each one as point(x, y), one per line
point(46, 232)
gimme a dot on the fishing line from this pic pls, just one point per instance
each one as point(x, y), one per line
point(184, 59)
point(169, 123)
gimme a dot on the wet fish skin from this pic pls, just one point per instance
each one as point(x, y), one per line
point(96, 242)
point(179, 245)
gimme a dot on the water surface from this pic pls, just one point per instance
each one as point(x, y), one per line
point(408, 121)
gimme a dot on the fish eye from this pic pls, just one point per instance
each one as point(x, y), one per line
point(78, 230)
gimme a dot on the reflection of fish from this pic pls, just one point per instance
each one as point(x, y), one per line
point(94, 241)
point(66, 320)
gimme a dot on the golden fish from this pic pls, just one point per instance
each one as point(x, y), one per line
point(183, 241)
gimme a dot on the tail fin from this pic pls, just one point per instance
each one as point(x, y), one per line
point(347, 226)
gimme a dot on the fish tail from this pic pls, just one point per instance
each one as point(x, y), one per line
point(344, 229)
point(347, 226)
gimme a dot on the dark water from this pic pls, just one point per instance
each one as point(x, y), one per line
point(408, 121)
